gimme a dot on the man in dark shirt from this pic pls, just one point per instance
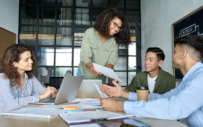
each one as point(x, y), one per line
point(156, 79)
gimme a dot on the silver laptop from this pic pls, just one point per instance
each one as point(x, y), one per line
point(88, 90)
point(67, 92)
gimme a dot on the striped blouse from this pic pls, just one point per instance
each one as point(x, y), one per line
point(12, 97)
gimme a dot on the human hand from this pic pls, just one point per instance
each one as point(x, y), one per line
point(112, 91)
point(50, 90)
point(54, 95)
point(109, 66)
point(112, 104)
point(94, 71)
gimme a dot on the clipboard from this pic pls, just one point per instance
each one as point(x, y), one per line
point(91, 116)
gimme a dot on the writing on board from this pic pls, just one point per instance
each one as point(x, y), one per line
point(189, 30)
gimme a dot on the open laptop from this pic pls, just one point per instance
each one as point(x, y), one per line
point(67, 92)
point(88, 90)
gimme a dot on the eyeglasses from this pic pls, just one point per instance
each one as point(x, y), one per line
point(115, 25)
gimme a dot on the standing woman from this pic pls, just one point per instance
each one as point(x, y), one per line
point(18, 85)
point(100, 44)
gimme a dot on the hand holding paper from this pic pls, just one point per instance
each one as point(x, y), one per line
point(107, 72)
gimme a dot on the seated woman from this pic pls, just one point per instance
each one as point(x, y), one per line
point(18, 85)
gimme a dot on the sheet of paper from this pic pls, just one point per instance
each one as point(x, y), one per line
point(86, 125)
point(36, 112)
point(87, 104)
point(85, 100)
point(43, 111)
point(91, 103)
point(107, 72)
point(90, 107)
point(100, 92)
point(83, 106)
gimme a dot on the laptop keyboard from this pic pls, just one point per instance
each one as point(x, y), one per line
point(45, 100)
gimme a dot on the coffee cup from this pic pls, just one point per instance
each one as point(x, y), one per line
point(142, 93)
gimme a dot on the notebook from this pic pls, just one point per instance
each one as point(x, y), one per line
point(88, 90)
point(67, 92)
point(90, 116)
point(35, 112)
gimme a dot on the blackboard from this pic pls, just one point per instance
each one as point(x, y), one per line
point(191, 24)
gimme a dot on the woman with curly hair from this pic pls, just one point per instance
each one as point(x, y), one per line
point(100, 44)
point(18, 85)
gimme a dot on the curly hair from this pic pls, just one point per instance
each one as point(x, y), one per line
point(12, 54)
point(103, 21)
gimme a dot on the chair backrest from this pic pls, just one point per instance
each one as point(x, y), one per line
point(55, 82)
point(68, 73)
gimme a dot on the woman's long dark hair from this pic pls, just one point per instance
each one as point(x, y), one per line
point(12, 54)
point(103, 21)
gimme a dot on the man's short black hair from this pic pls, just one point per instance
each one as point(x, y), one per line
point(193, 41)
point(159, 52)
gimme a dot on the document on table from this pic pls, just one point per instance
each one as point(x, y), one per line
point(107, 72)
point(35, 112)
point(85, 100)
point(83, 106)
point(88, 116)
point(86, 125)
point(100, 92)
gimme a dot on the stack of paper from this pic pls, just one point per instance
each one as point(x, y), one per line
point(35, 112)
point(84, 106)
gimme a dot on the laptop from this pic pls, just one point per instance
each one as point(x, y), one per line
point(88, 90)
point(67, 92)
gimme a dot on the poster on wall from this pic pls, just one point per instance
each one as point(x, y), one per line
point(191, 24)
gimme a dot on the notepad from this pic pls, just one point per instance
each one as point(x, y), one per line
point(35, 112)
point(71, 107)
point(88, 116)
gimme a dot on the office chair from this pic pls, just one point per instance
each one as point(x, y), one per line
point(55, 82)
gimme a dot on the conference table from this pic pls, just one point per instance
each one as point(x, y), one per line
point(14, 121)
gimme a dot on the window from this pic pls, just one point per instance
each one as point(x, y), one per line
point(54, 29)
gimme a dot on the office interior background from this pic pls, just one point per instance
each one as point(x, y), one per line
point(54, 29)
